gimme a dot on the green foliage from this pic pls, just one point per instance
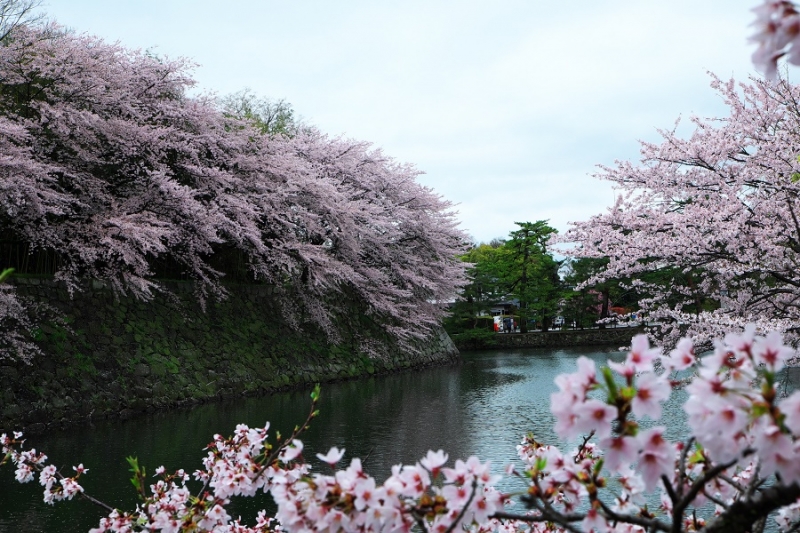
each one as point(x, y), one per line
point(518, 268)
point(272, 117)
point(139, 479)
point(455, 325)
point(82, 366)
point(692, 298)
point(586, 305)
point(593, 302)
point(475, 339)
point(484, 290)
point(531, 273)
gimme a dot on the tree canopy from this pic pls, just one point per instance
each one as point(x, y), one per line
point(707, 227)
point(112, 167)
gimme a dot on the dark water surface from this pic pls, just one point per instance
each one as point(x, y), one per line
point(482, 407)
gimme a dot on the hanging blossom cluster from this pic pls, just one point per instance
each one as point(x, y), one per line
point(742, 436)
point(738, 466)
point(429, 494)
point(777, 34)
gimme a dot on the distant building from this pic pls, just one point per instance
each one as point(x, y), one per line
point(504, 308)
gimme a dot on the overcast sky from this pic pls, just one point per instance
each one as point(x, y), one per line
point(506, 106)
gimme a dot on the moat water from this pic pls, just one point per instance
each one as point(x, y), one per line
point(482, 407)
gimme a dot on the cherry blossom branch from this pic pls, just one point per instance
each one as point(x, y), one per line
point(562, 520)
point(97, 502)
point(677, 514)
point(698, 486)
point(741, 514)
point(714, 499)
point(756, 482)
point(675, 494)
point(463, 512)
point(298, 430)
point(735, 384)
point(733, 483)
point(582, 447)
point(650, 524)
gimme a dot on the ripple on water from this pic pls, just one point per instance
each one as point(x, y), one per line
point(482, 407)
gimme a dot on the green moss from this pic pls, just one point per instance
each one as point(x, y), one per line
point(239, 345)
point(82, 366)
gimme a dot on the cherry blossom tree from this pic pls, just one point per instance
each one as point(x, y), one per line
point(737, 467)
point(715, 213)
point(15, 320)
point(111, 166)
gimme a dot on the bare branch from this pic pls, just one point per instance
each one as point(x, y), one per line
point(14, 13)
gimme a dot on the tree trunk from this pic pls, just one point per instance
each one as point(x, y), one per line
point(604, 308)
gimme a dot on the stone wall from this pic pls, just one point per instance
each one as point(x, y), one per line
point(117, 357)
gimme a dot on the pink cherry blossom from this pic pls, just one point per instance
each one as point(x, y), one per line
point(774, 448)
point(293, 451)
point(771, 352)
point(720, 196)
point(593, 415)
point(619, 452)
point(333, 456)
point(681, 358)
point(156, 175)
point(777, 27)
point(790, 407)
point(656, 458)
point(562, 406)
point(594, 522)
point(433, 461)
point(626, 369)
point(641, 356)
point(651, 390)
point(366, 493)
point(727, 414)
point(415, 480)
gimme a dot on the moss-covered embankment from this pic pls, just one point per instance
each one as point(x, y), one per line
point(124, 356)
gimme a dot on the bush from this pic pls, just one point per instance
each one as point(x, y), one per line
point(475, 339)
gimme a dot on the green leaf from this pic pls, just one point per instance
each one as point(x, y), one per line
point(138, 472)
point(629, 393)
point(612, 387)
point(697, 456)
point(6, 273)
point(598, 466)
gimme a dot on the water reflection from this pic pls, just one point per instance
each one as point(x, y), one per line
point(482, 407)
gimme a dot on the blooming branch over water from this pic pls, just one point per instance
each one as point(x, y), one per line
point(742, 459)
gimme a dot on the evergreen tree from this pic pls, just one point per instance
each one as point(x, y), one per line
point(531, 273)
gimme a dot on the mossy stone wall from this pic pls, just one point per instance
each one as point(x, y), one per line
point(124, 355)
